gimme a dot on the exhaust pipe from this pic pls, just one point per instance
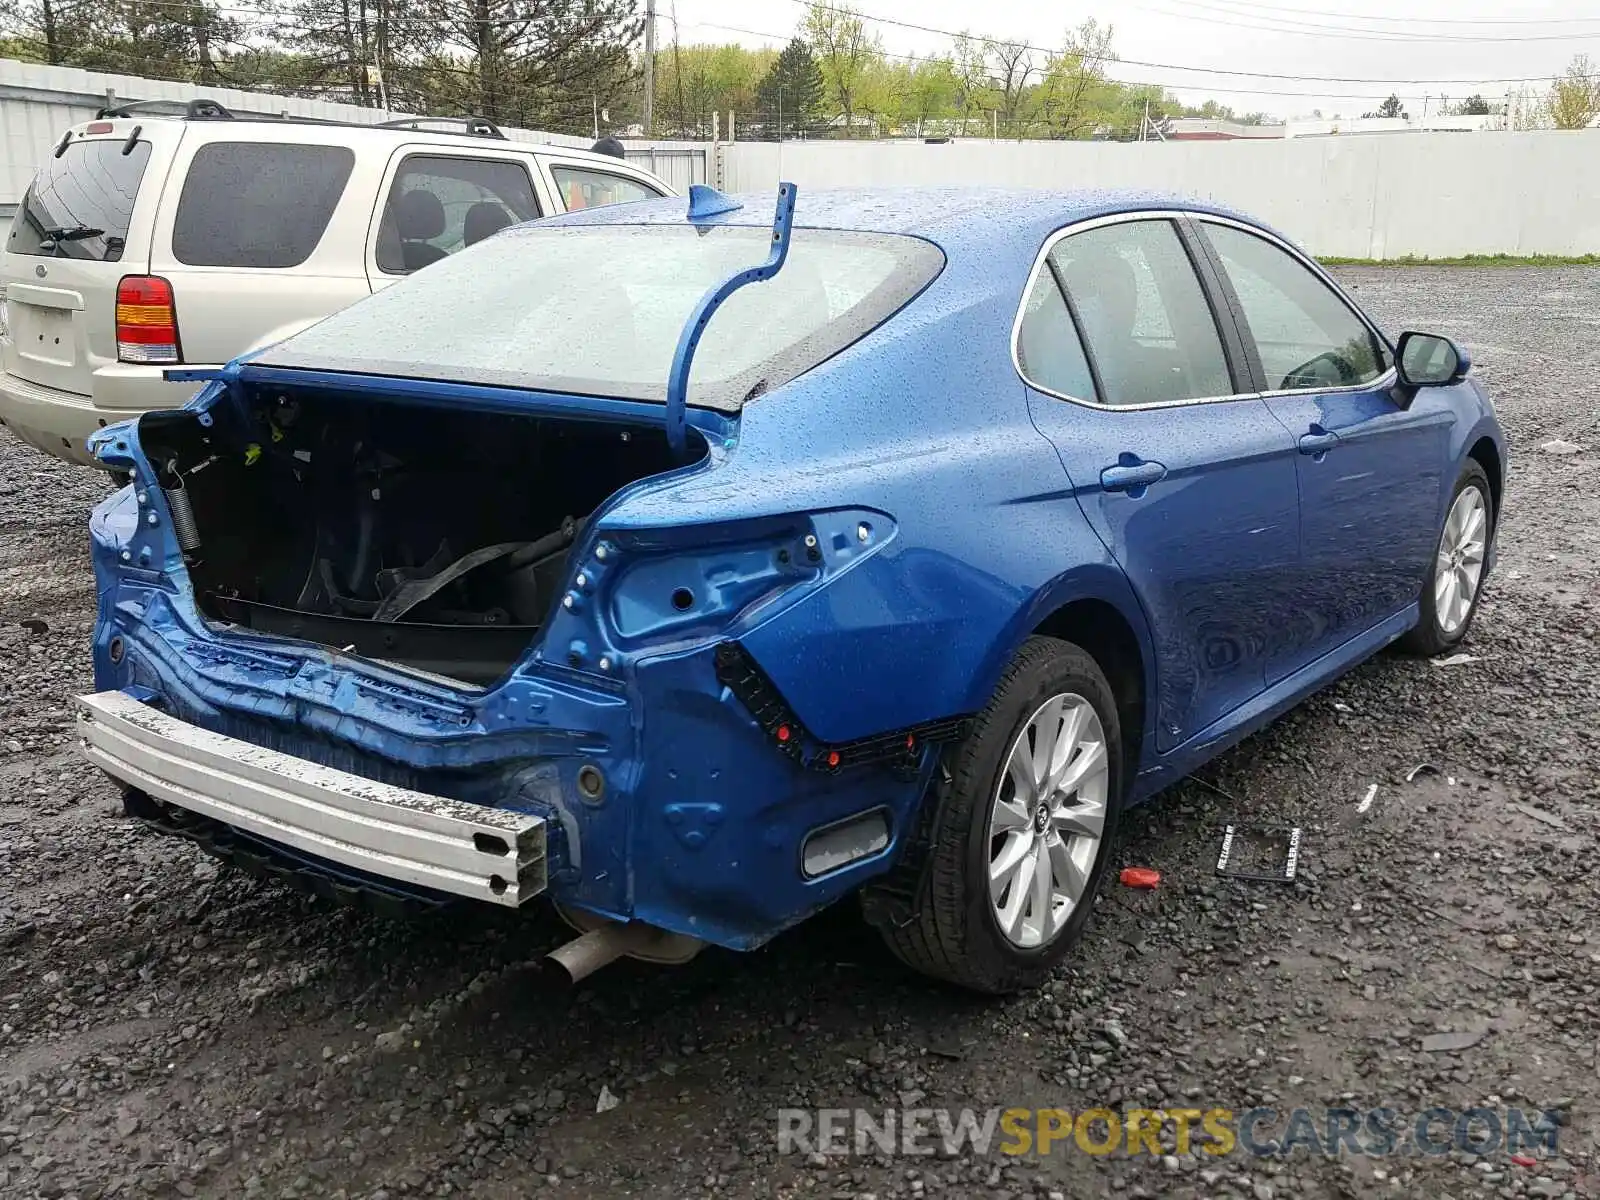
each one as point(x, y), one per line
point(606, 941)
point(583, 956)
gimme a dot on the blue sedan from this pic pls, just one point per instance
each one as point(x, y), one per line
point(696, 568)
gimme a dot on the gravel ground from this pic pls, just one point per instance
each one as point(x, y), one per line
point(169, 1029)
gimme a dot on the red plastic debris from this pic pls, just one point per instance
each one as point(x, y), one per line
point(1140, 877)
point(783, 733)
point(1524, 1160)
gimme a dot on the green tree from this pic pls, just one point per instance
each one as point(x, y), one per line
point(932, 93)
point(693, 82)
point(56, 30)
point(884, 93)
point(790, 93)
point(1075, 94)
point(366, 51)
point(1574, 100)
point(844, 50)
point(1474, 106)
point(969, 69)
point(535, 63)
point(1011, 65)
point(1389, 108)
point(188, 40)
point(1213, 111)
point(1210, 111)
point(1124, 120)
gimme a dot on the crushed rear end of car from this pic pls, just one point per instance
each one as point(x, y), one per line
point(392, 681)
point(424, 639)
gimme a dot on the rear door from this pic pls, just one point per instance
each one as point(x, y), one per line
point(1181, 470)
point(83, 224)
point(439, 199)
point(260, 232)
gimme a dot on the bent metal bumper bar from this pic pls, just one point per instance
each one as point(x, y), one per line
point(429, 841)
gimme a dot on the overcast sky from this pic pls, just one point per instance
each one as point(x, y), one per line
point(1415, 43)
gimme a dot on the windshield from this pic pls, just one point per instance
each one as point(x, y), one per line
point(79, 204)
point(598, 309)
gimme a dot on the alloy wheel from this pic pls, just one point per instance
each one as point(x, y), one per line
point(1047, 820)
point(1459, 568)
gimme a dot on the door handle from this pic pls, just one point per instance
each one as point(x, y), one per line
point(1125, 477)
point(1318, 441)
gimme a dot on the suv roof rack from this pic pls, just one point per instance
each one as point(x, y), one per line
point(192, 110)
point(475, 126)
point(204, 109)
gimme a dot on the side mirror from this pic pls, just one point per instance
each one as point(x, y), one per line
point(1428, 360)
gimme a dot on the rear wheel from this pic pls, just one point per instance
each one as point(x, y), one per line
point(1021, 827)
point(1450, 593)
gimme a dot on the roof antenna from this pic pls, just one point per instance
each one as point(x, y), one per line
point(708, 202)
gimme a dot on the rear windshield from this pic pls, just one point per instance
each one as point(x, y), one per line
point(79, 204)
point(597, 310)
point(258, 204)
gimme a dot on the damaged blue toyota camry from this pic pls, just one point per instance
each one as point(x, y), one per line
point(697, 568)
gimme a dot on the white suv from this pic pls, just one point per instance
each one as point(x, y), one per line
point(158, 235)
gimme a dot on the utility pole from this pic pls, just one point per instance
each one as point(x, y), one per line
point(649, 68)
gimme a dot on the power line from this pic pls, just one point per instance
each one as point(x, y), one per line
point(1304, 12)
point(1133, 62)
point(1248, 20)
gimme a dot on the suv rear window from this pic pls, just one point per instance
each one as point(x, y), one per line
point(258, 204)
point(598, 309)
point(79, 204)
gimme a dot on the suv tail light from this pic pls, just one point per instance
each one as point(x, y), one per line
point(147, 321)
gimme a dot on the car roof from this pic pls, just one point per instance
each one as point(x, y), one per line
point(956, 218)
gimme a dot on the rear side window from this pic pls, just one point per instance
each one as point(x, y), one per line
point(590, 189)
point(1146, 319)
point(258, 204)
point(439, 204)
point(79, 204)
point(1048, 348)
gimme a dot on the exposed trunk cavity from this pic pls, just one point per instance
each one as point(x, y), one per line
point(435, 538)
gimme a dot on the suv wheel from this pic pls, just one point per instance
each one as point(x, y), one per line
point(1021, 827)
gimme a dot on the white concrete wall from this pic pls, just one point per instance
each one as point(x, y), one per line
point(1376, 196)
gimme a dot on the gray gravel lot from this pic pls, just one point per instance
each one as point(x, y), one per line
point(167, 1028)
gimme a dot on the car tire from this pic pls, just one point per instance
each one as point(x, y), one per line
point(1462, 548)
point(956, 927)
